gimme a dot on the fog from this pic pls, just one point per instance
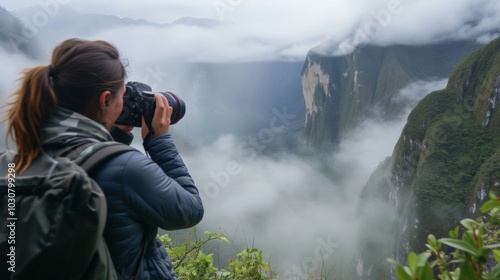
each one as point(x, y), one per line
point(10, 72)
point(261, 30)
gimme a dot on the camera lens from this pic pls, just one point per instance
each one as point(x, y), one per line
point(178, 106)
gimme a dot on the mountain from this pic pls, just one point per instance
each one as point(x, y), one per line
point(443, 165)
point(341, 91)
point(55, 24)
point(201, 22)
point(12, 38)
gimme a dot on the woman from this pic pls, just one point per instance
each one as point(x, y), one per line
point(76, 100)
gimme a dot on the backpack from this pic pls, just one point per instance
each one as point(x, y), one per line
point(53, 217)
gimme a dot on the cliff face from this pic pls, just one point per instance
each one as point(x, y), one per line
point(342, 91)
point(444, 164)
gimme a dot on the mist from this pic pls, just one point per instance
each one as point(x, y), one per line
point(242, 31)
point(10, 73)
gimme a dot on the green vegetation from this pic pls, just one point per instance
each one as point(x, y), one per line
point(446, 153)
point(191, 262)
point(475, 77)
point(468, 254)
point(447, 158)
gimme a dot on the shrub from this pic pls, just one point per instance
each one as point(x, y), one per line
point(471, 255)
point(190, 262)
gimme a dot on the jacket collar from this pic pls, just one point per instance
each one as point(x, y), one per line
point(66, 128)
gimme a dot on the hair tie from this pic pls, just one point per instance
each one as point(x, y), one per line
point(52, 70)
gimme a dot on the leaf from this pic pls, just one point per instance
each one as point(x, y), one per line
point(427, 273)
point(494, 214)
point(422, 259)
point(430, 247)
point(468, 237)
point(211, 235)
point(223, 238)
point(413, 262)
point(470, 224)
point(496, 254)
point(180, 250)
point(467, 271)
point(266, 266)
point(493, 246)
point(492, 195)
point(454, 233)
point(495, 272)
point(392, 261)
point(423, 269)
point(402, 274)
point(460, 245)
point(431, 238)
point(490, 204)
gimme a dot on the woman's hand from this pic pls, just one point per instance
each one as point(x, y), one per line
point(161, 118)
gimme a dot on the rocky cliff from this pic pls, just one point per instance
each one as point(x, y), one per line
point(444, 164)
point(342, 91)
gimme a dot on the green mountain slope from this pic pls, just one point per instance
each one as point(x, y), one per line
point(444, 163)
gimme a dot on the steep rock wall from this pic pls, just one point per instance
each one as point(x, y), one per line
point(445, 162)
point(342, 91)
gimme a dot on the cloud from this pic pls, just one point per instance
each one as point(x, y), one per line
point(415, 91)
point(280, 30)
point(9, 74)
point(13, 65)
point(278, 204)
point(430, 21)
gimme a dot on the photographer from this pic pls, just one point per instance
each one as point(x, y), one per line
point(76, 100)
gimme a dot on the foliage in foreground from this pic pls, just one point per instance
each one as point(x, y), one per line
point(471, 255)
point(190, 262)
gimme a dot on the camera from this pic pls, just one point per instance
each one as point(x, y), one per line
point(139, 101)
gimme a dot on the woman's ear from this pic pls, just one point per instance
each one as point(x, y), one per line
point(104, 100)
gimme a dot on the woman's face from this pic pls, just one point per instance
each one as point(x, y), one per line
point(114, 108)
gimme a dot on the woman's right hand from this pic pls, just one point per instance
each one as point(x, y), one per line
point(161, 118)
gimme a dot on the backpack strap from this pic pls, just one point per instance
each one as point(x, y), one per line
point(92, 157)
point(138, 275)
point(95, 154)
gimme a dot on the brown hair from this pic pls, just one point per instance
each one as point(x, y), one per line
point(79, 72)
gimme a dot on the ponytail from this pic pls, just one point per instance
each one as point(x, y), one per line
point(33, 102)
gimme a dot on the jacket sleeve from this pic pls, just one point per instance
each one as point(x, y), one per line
point(160, 189)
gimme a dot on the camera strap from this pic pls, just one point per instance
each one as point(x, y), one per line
point(148, 136)
point(148, 119)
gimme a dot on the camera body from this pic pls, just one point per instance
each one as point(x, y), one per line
point(139, 101)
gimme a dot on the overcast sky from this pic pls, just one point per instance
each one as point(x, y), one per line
point(286, 30)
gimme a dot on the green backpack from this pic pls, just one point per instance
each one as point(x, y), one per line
point(53, 217)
